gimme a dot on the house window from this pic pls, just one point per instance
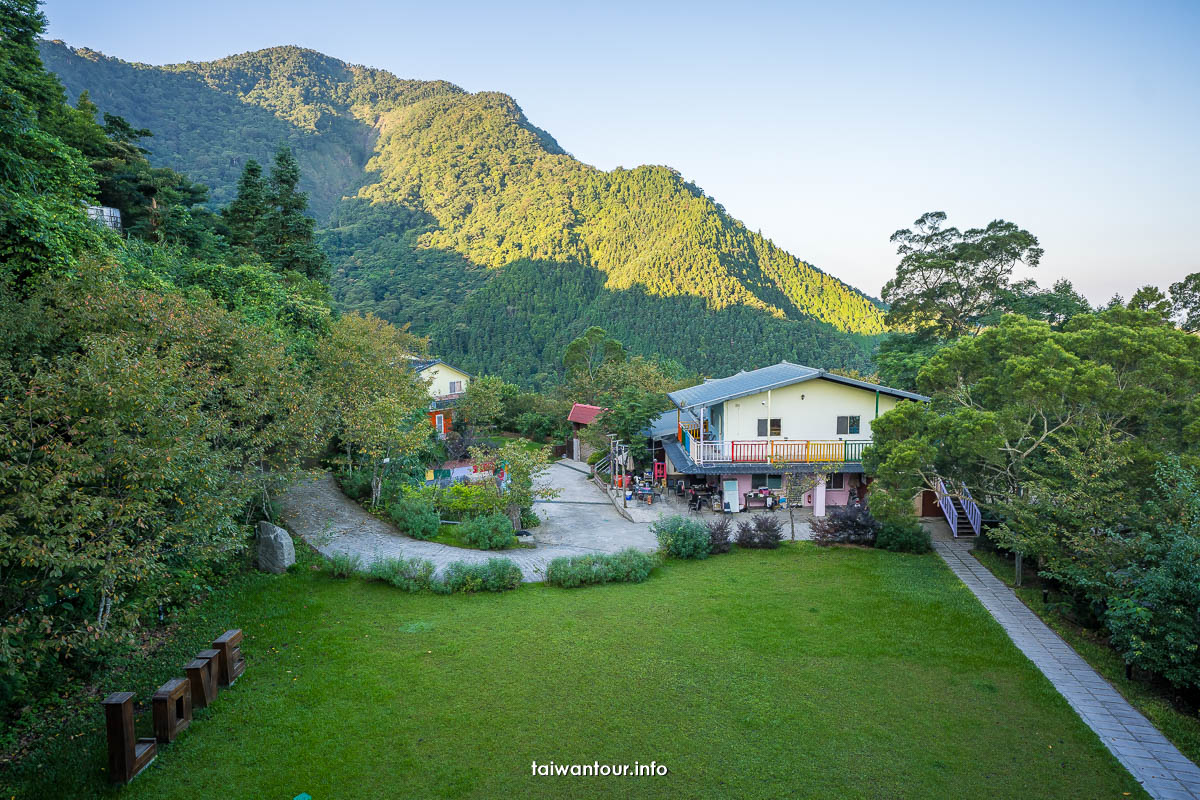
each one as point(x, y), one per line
point(766, 481)
point(769, 427)
point(455, 387)
point(835, 481)
point(847, 425)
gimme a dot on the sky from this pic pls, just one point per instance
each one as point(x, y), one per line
point(826, 126)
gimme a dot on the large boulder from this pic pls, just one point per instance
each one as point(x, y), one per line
point(275, 551)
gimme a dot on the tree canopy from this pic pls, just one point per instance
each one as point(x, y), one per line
point(951, 282)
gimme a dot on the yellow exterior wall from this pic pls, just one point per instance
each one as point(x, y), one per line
point(807, 410)
point(442, 375)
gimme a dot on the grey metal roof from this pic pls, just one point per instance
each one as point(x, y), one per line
point(419, 364)
point(666, 424)
point(684, 464)
point(718, 390)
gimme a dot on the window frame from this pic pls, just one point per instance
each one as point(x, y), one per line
point(843, 425)
point(841, 476)
point(764, 480)
point(772, 425)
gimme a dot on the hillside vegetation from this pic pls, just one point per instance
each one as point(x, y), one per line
point(437, 205)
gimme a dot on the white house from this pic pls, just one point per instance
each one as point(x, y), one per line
point(744, 431)
point(446, 385)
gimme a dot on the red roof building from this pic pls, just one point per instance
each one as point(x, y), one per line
point(584, 414)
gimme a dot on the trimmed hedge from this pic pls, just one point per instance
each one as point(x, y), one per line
point(627, 566)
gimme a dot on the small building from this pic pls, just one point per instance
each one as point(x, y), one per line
point(105, 215)
point(580, 417)
point(744, 432)
point(447, 384)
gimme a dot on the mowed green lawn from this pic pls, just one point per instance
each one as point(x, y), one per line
point(797, 673)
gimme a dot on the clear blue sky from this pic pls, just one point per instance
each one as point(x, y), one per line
point(825, 125)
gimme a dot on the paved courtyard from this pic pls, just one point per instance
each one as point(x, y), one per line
point(581, 520)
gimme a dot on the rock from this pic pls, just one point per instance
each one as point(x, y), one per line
point(275, 551)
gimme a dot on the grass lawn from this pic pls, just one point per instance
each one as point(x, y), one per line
point(1182, 729)
point(801, 672)
point(452, 535)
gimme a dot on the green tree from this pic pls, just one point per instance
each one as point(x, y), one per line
point(1057, 305)
point(951, 282)
point(482, 405)
point(285, 234)
point(245, 214)
point(522, 472)
point(1185, 301)
point(1156, 589)
point(584, 357)
point(1151, 299)
point(375, 399)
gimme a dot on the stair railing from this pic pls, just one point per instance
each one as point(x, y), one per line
point(947, 505)
point(973, 515)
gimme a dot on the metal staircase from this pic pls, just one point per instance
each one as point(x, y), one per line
point(959, 508)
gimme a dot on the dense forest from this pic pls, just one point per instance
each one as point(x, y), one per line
point(451, 211)
point(158, 384)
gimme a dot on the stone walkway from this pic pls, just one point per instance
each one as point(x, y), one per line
point(580, 521)
point(1164, 772)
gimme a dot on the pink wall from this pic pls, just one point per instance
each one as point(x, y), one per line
point(743, 485)
point(833, 497)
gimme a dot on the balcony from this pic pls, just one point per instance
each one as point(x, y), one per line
point(772, 451)
point(444, 401)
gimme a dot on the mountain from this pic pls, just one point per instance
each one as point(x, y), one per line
point(450, 210)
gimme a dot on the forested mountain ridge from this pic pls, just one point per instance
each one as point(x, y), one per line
point(428, 195)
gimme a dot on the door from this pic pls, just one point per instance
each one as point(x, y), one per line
point(731, 497)
point(439, 422)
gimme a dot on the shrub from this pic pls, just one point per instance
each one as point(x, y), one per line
point(535, 425)
point(627, 566)
point(529, 518)
point(846, 525)
point(903, 538)
point(492, 532)
point(493, 575)
point(343, 565)
point(409, 574)
point(465, 500)
point(763, 531)
point(414, 518)
point(681, 537)
point(719, 531)
point(355, 485)
point(1153, 616)
point(596, 456)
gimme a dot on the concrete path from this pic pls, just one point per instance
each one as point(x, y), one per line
point(1163, 771)
point(579, 521)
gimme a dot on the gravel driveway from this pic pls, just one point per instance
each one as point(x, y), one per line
point(581, 520)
